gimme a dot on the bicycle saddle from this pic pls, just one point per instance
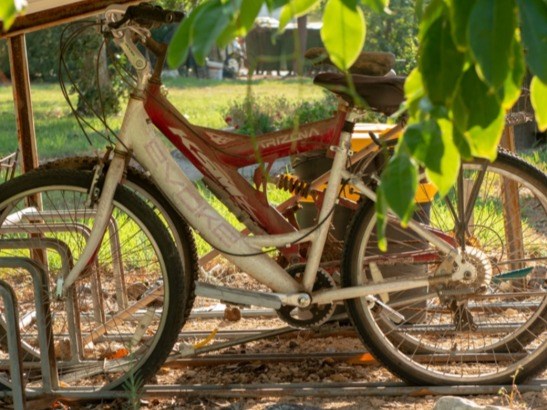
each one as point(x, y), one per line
point(368, 62)
point(383, 94)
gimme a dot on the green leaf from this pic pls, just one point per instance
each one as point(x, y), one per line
point(440, 62)
point(419, 9)
point(512, 86)
point(425, 144)
point(381, 219)
point(247, 15)
point(275, 4)
point(492, 26)
point(479, 115)
point(209, 24)
point(538, 96)
point(295, 8)
point(377, 5)
point(414, 91)
point(179, 46)
point(460, 10)
point(461, 143)
point(446, 167)
point(399, 183)
point(533, 15)
point(432, 12)
point(343, 32)
point(230, 32)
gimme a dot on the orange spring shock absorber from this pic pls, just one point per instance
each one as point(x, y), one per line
point(293, 184)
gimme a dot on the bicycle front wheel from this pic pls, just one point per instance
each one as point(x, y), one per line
point(121, 318)
point(484, 330)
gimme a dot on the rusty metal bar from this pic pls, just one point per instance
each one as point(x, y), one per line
point(353, 358)
point(59, 15)
point(362, 358)
point(320, 389)
point(23, 104)
point(329, 390)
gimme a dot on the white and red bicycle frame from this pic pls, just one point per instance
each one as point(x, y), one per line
point(218, 155)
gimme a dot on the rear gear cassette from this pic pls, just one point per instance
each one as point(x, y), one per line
point(314, 315)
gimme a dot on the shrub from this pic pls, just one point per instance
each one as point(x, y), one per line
point(256, 115)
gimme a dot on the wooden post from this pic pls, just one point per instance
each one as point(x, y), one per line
point(23, 104)
point(511, 207)
point(28, 153)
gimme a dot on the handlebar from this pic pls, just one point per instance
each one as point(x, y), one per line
point(145, 13)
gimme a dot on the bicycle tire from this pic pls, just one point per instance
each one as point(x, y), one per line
point(144, 327)
point(519, 348)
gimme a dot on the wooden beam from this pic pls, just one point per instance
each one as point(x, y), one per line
point(22, 101)
point(511, 207)
point(58, 15)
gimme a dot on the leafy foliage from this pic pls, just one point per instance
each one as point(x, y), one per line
point(470, 68)
point(256, 115)
point(42, 53)
point(343, 32)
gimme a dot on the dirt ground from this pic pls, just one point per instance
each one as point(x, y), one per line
point(325, 370)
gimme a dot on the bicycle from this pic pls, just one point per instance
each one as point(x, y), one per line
point(123, 289)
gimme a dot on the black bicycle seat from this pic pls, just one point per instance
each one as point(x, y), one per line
point(383, 94)
point(368, 63)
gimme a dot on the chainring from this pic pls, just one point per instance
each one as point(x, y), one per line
point(314, 315)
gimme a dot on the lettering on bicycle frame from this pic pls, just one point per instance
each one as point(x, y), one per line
point(186, 195)
point(217, 139)
point(289, 137)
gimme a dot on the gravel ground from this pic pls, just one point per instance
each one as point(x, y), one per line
point(323, 370)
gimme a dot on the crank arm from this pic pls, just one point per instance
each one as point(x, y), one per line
point(248, 297)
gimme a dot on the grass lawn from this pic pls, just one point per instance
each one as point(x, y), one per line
point(204, 102)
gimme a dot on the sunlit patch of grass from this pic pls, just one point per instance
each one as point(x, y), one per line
point(202, 101)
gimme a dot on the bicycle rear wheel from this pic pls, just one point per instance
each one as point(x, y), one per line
point(122, 316)
point(483, 331)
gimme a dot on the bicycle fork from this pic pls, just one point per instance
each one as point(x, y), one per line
point(105, 206)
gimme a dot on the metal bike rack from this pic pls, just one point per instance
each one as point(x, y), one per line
point(45, 333)
point(34, 229)
point(13, 225)
point(66, 263)
point(14, 344)
point(29, 214)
